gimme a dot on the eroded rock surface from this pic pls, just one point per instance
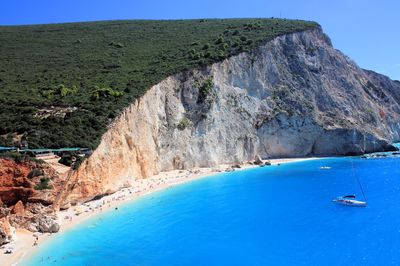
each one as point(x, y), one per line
point(46, 223)
point(23, 206)
point(7, 232)
point(294, 96)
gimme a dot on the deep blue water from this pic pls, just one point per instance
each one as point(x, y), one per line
point(277, 215)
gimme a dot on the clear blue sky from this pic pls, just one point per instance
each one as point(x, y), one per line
point(366, 30)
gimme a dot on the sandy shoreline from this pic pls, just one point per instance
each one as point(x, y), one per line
point(24, 244)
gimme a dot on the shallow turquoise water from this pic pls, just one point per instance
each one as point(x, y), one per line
point(278, 215)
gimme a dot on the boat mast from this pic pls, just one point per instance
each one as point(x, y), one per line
point(352, 165)
point(362, 190)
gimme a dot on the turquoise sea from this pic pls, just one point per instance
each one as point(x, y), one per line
point(276, 215)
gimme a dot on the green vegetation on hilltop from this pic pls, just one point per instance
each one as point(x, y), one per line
point(100, 67)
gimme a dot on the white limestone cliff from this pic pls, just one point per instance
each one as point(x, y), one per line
point(294, 96)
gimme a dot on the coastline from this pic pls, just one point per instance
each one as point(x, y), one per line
point(24, 246)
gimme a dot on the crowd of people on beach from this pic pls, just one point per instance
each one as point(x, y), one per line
point(139, 187)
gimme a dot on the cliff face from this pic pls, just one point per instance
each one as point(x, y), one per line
point(294, 96)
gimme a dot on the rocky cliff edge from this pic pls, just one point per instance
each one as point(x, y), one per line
point(294, 96)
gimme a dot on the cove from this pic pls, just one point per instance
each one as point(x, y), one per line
point(276, 215)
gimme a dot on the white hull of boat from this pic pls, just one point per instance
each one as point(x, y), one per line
point(351, 202)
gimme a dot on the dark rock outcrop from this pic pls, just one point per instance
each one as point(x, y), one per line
point(46, 223)
point(257, 160)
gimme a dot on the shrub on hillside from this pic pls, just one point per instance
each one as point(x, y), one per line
point(104, 92)
point(66, 160)
point(219, 40)
point(204, 88)
point(206, 46)
point(35, 172)
point(44, 184)
point(183, 124)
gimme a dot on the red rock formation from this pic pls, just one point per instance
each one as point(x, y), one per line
point(14, 185)
point(18, 209)
point(23, 206)
point(11, 195)
point(6, 231)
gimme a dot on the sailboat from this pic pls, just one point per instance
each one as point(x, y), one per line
point(351, 200)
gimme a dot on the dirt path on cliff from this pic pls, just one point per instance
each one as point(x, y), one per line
point(61, 169)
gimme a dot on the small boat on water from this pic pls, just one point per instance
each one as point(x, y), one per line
point(350, 200)
point(325, 168)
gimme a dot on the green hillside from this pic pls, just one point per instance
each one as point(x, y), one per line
point(62, 84)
